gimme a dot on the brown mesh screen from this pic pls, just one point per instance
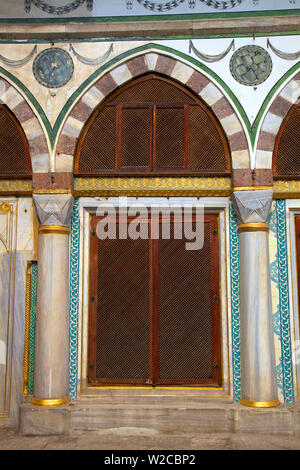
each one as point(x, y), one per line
point(287, 146)
point(135, 137)
point(170, 131)
point(153, 90)
point(184, 311)
point(205, 143)
point(154, 313)
point(98, 150)
point(169, 143)
point(14, 152)
point(123, 310)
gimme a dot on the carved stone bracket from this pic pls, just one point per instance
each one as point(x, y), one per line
point(252, 206)
point(54, 209)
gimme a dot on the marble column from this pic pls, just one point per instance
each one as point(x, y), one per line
point(258, 373)
point(52, 315)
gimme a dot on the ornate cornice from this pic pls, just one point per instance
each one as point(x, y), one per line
point(15, 187)
point(286, 189)
point(152, 186)
point(200, 186)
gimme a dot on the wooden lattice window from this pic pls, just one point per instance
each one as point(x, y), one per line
point(14, 149)
point(152, 125)
point(154, 310)
point(286, 155)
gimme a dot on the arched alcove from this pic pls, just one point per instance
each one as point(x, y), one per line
point(286, 155)
point(152, 125)
point(14, 148)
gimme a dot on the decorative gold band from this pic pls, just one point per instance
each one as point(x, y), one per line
point(253, 227)
point(251, 188)
point(260, 404)
point(50, 401)
point(54, 229)
point(52, 191)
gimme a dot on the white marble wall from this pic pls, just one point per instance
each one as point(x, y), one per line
point(16, 248)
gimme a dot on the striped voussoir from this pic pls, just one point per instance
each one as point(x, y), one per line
point(38, 147)
point(278, 110)
point(152, 62)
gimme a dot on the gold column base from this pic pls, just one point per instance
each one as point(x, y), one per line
point(50, 401)
point(260, 404)
point(253, 227)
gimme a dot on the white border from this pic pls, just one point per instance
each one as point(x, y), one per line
point(220, 205)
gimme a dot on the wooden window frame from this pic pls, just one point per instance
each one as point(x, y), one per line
point(216, 380)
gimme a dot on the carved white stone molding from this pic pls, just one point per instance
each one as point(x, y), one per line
point(54, 209)
point(252, 206)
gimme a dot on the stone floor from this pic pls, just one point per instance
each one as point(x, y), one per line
point(146, 439)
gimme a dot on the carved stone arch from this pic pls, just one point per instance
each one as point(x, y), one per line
point(152, 61)
point(288, 96)
point(38, 148)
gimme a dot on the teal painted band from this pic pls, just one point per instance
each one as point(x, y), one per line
point(33, 299)
point(235, 302)
point(284, 303)
point(74, 301)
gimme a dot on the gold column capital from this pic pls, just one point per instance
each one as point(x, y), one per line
point(253, 227)
point(54, 229)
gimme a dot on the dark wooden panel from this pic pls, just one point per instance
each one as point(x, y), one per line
point(286, 156)
point(98, 143)
point(152, 89)
point(188, 310)
point(119, 310)
point(136, 137)
point(169, 137)
point(14, 149)
point(207, 147)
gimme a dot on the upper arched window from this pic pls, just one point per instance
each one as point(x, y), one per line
point(14, 149)
point(286, 155)
point(152, 125)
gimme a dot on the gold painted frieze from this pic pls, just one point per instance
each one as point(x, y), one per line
point(153, 186)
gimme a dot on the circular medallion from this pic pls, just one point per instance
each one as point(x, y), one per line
point(53, 67)
point(250, 65)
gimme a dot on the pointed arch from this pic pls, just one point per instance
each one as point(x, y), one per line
point(18, 106)
point(279, 109)
point(168, 66)
point(152, 125)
